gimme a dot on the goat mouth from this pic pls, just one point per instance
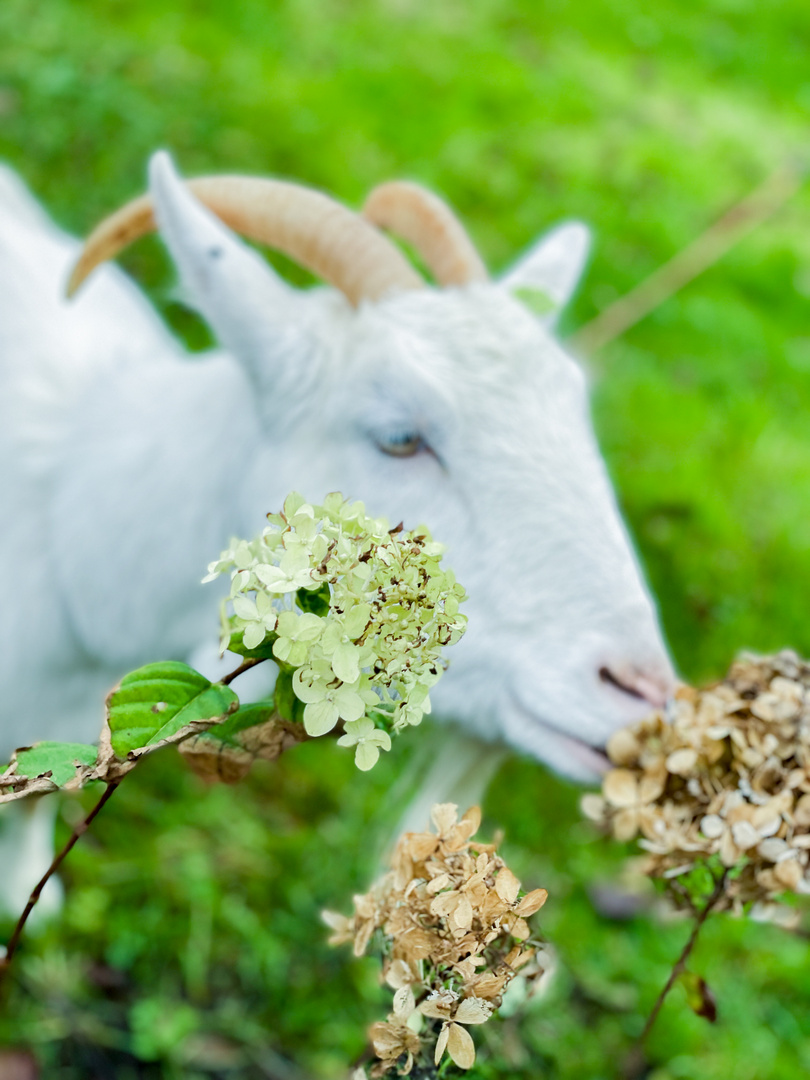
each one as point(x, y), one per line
point(591, 758)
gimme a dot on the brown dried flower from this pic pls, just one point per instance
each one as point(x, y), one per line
point(452, 926)
point(723, 775)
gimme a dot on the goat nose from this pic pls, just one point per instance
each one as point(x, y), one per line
point(652, 688)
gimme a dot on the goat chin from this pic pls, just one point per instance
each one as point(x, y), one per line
point(567, 755)
point(453, 767)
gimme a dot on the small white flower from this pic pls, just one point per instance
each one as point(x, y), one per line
point(257, 616)
point(296, 634)
point(391, 610)
point(368, 739)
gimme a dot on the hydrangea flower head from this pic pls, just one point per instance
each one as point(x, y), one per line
point(357, 611)
point(451, 924)
point(721, 779)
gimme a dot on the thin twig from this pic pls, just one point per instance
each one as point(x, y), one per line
point(246, 665)
point(696, 257)
point(78, 831)
point(680, 963)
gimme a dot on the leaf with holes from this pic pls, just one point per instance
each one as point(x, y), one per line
point(62, 760)
point(45, 767)
point(163, 703)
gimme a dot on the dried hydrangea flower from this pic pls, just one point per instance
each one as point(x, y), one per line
point(393, 1039)
point(358, 612)
point(451, 924)
point(723, 778)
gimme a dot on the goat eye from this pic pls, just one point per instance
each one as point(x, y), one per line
point(406, 445)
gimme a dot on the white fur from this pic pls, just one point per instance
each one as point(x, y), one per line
point(125, 466)
point(26, 851)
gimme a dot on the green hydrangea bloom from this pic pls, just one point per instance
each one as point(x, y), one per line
point(368, 740)
point(378, 646)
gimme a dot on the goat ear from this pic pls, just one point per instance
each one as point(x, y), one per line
point(547, 275)
point(250, 309)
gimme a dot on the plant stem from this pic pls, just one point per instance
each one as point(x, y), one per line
point(78, 831)
point(698, 256)
point(680, 963)
point(246, 665)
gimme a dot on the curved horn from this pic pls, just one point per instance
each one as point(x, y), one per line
point(314, 230)
point(426, 221)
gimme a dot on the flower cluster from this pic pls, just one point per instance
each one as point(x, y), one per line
point(452, 926)
point(357, 611)
point(723, 776)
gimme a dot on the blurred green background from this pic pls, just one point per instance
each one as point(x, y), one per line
point(190, 944)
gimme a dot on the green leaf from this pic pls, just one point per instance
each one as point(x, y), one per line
point(287, 704)
point(55, 758)
point(315, 601)
point(382, 715)
point(153, 705)
point(261, 652)
point(700, 881)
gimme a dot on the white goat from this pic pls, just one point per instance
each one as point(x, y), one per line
point(125, 464)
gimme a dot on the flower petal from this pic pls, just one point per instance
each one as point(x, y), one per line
point(245, 608)
point(470, 819)
point(441, 1043)
point(620, 788)
point(320, 717)
point(623, 747)
point(253, 635)
point(460, 1046)
point(681, 762)
point(520, 929)
point(404, 1003)
point(507, 885)
point(532, 902)
point(592, 806)
point(345, 662)
point(473, 1011)
point(625, 824)
point(712, 826)
point(444, 816)
point(463, 913)
point(745, 835)
point(366, 756)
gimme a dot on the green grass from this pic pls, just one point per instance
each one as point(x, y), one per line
point(190, 943)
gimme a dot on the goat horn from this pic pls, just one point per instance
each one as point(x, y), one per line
point(427, 222)
point(319, 233)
